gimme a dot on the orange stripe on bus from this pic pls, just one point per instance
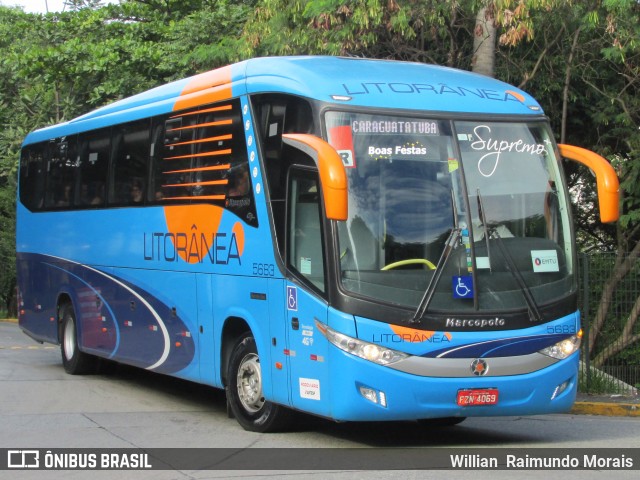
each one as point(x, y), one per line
point(205, 154)
point(198, 197)
point(208, 87)
point(196, 184)
point(198, 125)
point(204, 140)
point(206, 110)
point(226, 166)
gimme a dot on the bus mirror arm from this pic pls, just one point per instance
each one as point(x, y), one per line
point(333, 177)
point(606, 179)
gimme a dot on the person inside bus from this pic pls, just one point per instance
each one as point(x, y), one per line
point(238, 193)
point(238, 178)
point(136, 192)
point(65, 198)
point(97, 197)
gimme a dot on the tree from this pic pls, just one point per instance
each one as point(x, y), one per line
point(609, 76)
point(13, 23)
point(484, 41)
point(80, 4)
point(427, 31)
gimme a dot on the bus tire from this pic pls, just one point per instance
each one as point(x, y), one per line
point(244, 390)
point(74, 361)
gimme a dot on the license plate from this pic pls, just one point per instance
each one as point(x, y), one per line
point(477, 397)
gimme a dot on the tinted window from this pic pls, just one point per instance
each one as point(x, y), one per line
point(32, 176)
point(62, 167)
point(204, 159)
point(306, 253)
point(130, 160)
point(194, 156)
point(94, 165)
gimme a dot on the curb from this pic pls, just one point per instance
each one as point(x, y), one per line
point(609, 409)
point(9, 320)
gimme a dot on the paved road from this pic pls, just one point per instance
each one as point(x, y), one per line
point(42, 407)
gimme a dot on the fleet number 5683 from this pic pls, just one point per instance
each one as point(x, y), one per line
point(264, 269)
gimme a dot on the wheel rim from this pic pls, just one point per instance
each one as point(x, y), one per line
point(249, 383)
point(69, 340)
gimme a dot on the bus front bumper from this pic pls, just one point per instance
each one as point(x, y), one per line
point(363, 391)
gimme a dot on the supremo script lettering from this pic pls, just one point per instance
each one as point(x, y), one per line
point(216, 248)
point(483, 142)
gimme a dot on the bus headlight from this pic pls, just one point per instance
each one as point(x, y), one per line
point(564, 348)
point(368, 351)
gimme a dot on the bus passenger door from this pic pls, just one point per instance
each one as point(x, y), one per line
point(304, 296)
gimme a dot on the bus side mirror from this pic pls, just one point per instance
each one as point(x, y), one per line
point(333, 178)
point(606, 180)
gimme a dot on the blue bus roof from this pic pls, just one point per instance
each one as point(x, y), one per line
point(340, 80)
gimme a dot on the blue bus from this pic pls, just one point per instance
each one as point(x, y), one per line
point(355, 239)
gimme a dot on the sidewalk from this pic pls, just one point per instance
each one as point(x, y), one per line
point(611, 405)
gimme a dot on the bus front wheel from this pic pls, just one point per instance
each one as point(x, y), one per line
point(74, 361)
point(245, 397)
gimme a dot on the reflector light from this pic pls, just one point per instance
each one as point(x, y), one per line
point(560, 388)
point(369, 394)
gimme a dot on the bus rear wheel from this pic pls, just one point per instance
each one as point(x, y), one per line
point(74, 361)
point(245, 397)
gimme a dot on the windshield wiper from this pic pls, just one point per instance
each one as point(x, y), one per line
point(484, 226)
point(492, 231)
point(431, 288)
point(534, 311)
point(450, 244)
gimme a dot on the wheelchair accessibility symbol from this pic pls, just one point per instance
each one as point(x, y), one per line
point(292, 298)
point(462, 286)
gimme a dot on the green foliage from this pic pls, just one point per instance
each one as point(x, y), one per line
point(597, 382)
point(205, 39)
point(429, 30)
point(7, 245)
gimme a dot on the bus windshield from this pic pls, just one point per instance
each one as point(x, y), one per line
point(416, 183)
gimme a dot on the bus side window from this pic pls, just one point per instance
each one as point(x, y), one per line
point(130, 161)
point(305, 239)
point(61, 173)
point(155, 193)
point(220, 148)
point(94, 165)
point(173, 168)
point(32, 176)
point(277, 114)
